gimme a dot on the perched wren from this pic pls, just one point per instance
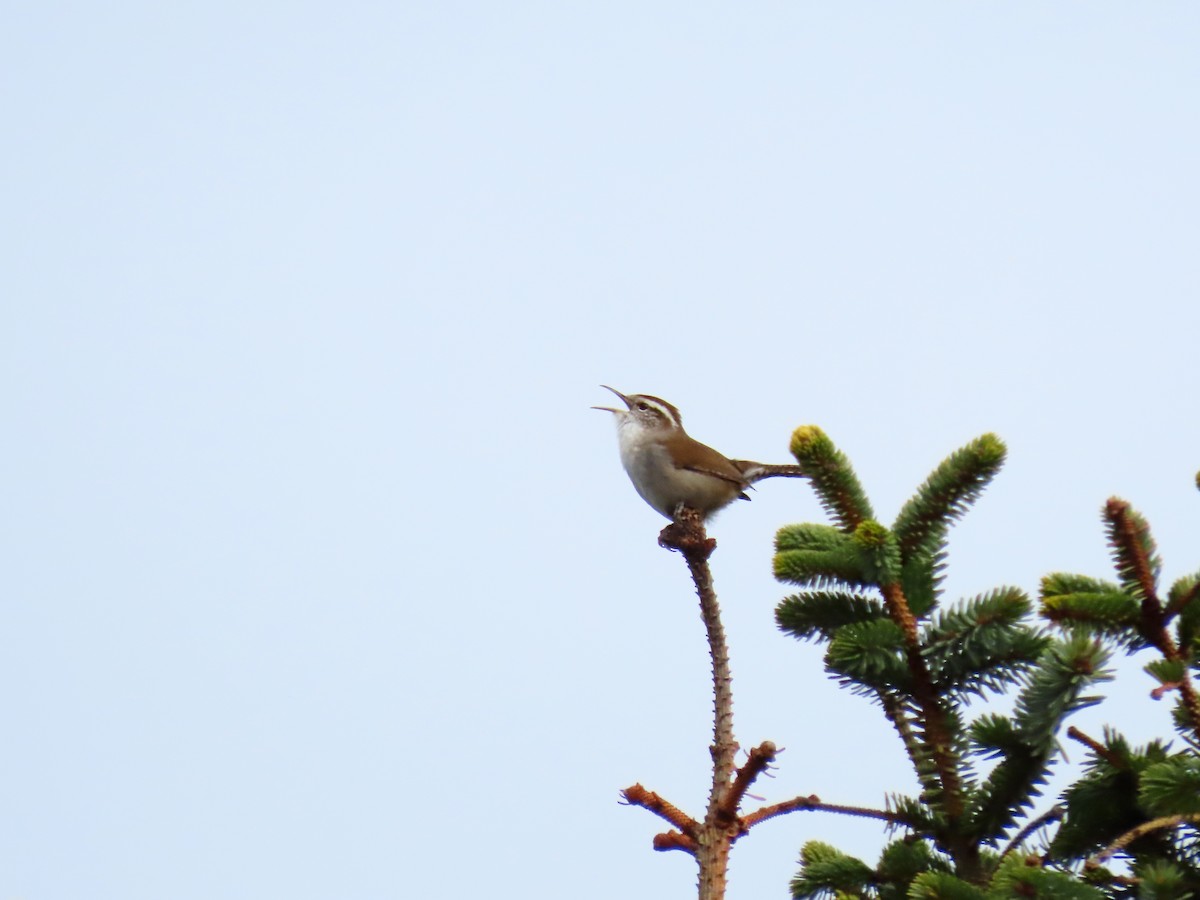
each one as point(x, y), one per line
point(671, 469)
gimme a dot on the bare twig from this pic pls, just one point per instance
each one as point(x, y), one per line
point(759, 759)
point(710, 841)
point(673, 840)
point(715, 837)
point(1096, 747)
point(1051, 815)
point(814, 802)
point(639, 796)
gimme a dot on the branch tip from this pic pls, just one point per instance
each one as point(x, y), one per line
point(1096, 747)
point(639, 796)
point(1140, 831)
point(687, 535)
point(757, 761)
point(674, 840)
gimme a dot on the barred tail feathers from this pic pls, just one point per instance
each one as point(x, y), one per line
point(756, 471)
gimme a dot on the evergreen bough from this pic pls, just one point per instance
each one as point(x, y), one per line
point(872, 595)
point(1142, 803)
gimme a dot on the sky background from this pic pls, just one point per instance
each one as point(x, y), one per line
point(320, 578)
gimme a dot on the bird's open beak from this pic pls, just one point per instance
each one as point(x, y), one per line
point(628, 405)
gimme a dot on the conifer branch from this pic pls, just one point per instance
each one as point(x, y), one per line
point(1133, 549)
point(894, 711)
point(897, 607)
point(1026, 741)
point(1102, 876)
point(937, 733)
point(1139, 832)
point(1185, 592)
point(1191, 701)
point(1165, 644)
point(947, 494)
point(832, 477)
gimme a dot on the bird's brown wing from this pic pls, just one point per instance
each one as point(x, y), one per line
point(730, 473)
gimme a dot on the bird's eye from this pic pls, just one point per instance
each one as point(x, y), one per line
point(643, 406)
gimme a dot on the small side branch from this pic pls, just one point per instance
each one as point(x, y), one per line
point(759, 759)
point(1096, 747)
point(1051, 815)
point(814, 802)
point(1128, 536)
point(673, 840)
point(1191, 701)
point(1140, 831)
point(639, 796)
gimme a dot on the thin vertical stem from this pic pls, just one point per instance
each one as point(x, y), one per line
point(719, 830)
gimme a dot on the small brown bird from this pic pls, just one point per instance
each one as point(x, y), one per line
point(669, 469)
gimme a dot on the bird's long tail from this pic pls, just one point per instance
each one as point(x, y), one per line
point(756, 471)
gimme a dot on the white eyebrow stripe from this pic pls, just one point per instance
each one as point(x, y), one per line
point(669, 412)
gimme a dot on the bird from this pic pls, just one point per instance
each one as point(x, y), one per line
point(671, 469)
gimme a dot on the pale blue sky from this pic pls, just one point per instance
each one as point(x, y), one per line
point(320, 578)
